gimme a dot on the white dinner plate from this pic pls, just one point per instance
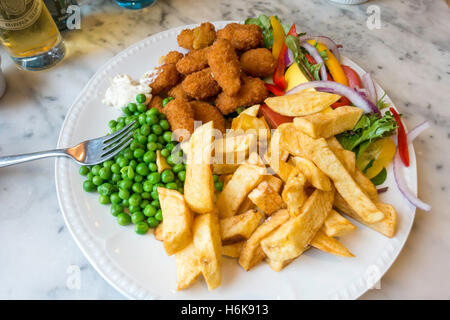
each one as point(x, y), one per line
point(138, 267)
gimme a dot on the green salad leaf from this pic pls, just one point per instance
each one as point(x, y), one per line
point(310, 70)
point(264, 22)
point(379, 178)
point(368, 129)
point(381, 104)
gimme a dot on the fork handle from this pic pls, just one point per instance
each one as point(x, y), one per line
point(20, 158)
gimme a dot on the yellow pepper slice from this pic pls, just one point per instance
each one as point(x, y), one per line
point(278, 36)
point(384, 158)
point(332, 63)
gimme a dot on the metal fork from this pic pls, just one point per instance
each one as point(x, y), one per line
point(88, 153)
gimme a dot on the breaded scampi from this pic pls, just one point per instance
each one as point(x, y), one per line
point(180, 115)
point(225, 66)
point(252, 91)
point(173, 57)
point(258, 62)
point(177, 92)
point(197, 38)
point(195, 60)
point(206, 112)
point(156, 102)
point(201, 85)
point(243, 37)
point(167, 77)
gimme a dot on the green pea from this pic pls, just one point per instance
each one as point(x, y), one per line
point(152, 167)
point(145, 130)
point(124, 194)
point(137, 187)
point(83, 170)
point(154, 178)
point(154, 195)
point(142, 140)
point(122, 162)
point(125, 203)
point(155, 203)
point(167, 176)
point(134, 208)
point(156, 129)
point(166, 126)
point(153, 110)
point(182, 175)
point(171, 160)
point(147, 186)
point(138, 153)
point(141, 107)
point(105, 189)
point(116, 209)
point(90, 176)
point(141, 228)
point(141, 119)
point(172, 186)
point(178, 167)
point(125, 184)
point(135, 199)
point(149, 210)
point(142, 169)
point(115, 177)
point(130, 172)
point(132, 107)
point(152, 222)
point(165, 153)
point(104, 199)
point(133, 146)
point(88, 186)
point(145, 195)
point(161, 140)
point(149, 156)
point(152, 137)
point(137, 216)
point(158, 215)
point(97, 180)
point(133, 164)
point(218, 185)
point(95, 169)
point(181, 190)
point(167, 100)
point(115, 168)
point(145, 201)
point(128, 154)
point(159, 146)
point(115, 198)
point(105, 173)
point(215, 177)
point(126, 111)
point(138, 178)
point(162, 116)
point(140, 98)
point(240, 109)
point(108, 164)
point(120, 126)
point(151, 119)
point(123, 219)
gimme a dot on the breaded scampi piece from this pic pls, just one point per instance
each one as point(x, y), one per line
point(195, 60)
point(167, 77)
point(201, 85)
point(225, 66)
point(205, 112)
point(258, 62)
point(197, 38)
point(156, 102)
point(177, 92)
point(173, 57)
point(252, 91)
point(243, 37)
point(180, 115)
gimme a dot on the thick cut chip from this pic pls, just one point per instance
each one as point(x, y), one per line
point(266, 199)
point(314, 175)
point(224, 168)
point(336, 225)
point(329, 124)
point(274, 182)
point(234, 149)
point(246, 205)
point(278, 265)
point(346, 157)
point(252, 253)
point(188, 266)
point(302, 103)
point(206, 235)
point(330, 245)
point(294, 194)
point(199, 183)
point(232, 250)
point(366, 185)
point(292, 238)
point(386, 226)
point(159, 232)
point(177, 220)
point(239, 227)
point(245, 178)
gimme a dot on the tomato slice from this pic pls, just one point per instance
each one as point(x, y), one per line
point(273, 118)
point(354, 81)
point(274, 89)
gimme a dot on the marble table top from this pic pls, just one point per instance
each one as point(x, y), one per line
point(409, 55)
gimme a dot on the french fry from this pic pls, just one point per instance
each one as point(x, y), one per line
point(366, 185)
point(294, 194)
point(251, 111)
point(224, 168)
point(199, 184)
point(177, 220)
point(336, 225)
point(239, 227)
point(159, 232)
point(278, 265)
point(386, 226)
point(252, 253)
point(292, 238)
point(234, 149)
point(273, 182)
point(255, 159)
point(346, 157)
point(236, 190)
point(246, 205)
point(232, 250)
point(266, 199)
point(329, 124)
point(330, 245)
point(206, 236)
point(188, 266)
point(313, 174)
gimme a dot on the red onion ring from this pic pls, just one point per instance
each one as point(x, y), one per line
point(316, 55)
point(288, 57)
point(330, 44)
point(368, 84)
point(399, 177)
point(330, 86)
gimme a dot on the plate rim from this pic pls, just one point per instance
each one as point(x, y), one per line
point(87, 244)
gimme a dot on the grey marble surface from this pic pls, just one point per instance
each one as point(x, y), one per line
point(409, 56)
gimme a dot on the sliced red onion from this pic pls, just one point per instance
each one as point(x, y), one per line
point(330, 44)
point(400, 179)
point(330, 86)
point(368, 84)
point(316, 55)
point(288, 57)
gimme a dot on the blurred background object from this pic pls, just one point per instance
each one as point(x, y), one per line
point(135, 5)
point(349, 1)
point(59, 12)
point(30, 35)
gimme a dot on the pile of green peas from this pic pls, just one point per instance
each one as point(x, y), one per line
point(130, 180)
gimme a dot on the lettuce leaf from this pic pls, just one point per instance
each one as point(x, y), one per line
point(264, 22)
